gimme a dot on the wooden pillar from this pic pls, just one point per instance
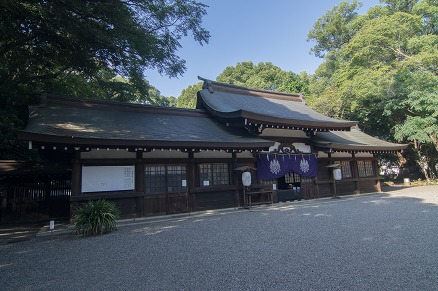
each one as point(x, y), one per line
point(76, 174)
point(139, 184)
point(235, 180)
point(75, 180)
point(331, 178)
point(191, 183)
point(139, 172)
point(355, 175)
point(376, 174)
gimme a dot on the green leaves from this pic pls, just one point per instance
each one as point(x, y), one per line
point(96, 217)
point(335, 28)
point(81, 36)
point(264, 76)
point(421, 104)
point(382, 40)
point(188, 96)
point(417, 128)
point(90, 49)
point(428, 10)
point(384, 72)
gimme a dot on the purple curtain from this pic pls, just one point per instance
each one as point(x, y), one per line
point(274, 166)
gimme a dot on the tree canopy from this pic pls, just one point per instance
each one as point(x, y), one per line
point(94, 49)
point(188, 96)
point(381, 69)
point(335, 28)
point(264, 76)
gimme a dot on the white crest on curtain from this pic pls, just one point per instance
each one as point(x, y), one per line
point(304, 165)
point(274, 166)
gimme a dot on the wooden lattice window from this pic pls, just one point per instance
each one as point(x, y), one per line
point(345, 169)
point(162, 178)
point(365, 168)
point(213, 174)
point(175, 175)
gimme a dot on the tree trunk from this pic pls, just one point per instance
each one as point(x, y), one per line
point(435, 141)
point(401, 160)
point(401, 164)
point(422, 161)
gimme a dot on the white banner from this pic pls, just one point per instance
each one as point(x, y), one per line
point(107, 178)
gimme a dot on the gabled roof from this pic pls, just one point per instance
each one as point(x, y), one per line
point(61, 120)
point(353, 141)
point(265, 108)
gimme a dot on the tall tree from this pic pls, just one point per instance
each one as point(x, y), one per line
point(264, 76)
point(334, 28)
point(156, 98)
point(188, 96)
point(399, 5)
point(88, 46)
point(384, 73)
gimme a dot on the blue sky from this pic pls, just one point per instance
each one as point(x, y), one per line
point(243, 30)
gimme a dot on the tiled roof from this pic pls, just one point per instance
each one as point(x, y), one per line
point(264, 107)
point(110, 123)
point(354, 140)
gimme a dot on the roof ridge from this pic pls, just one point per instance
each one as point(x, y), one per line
point(230, 88)
point(47, 99)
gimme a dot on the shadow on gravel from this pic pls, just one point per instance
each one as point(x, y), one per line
point(387, 188)
point(18, 232)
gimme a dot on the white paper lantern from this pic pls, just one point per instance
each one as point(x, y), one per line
point(246, 179)
point(337, 174)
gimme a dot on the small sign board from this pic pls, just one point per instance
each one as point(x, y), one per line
point(52, 225)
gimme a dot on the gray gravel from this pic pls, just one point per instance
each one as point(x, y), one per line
point(383, 241)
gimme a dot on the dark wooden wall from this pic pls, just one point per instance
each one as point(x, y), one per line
point(137, 203)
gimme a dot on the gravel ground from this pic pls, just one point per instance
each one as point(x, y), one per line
point(382, 241)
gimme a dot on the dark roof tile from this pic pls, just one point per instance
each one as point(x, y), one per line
point(354, 140)
point(128, 123)
point(265, 107)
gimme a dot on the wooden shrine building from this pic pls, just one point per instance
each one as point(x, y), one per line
point(155, 160)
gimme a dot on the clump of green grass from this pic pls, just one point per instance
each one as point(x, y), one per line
point(96, 217)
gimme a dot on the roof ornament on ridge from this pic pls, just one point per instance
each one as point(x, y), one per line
point(207, 84)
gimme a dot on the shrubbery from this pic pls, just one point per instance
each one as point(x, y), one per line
point(96, 217)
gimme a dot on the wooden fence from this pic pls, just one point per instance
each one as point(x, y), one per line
point(34, 197)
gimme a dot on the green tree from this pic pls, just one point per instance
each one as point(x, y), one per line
point(264, 76)
point(382, 71)
point(399, 5)
point(334, 28)
point(95, 48)
point(428, 10)
point(157, 99)
point(188, 96)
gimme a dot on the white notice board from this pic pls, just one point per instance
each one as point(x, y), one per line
point(107, 178)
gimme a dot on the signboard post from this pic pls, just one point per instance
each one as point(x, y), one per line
point(51, 227)
point(337, 175)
